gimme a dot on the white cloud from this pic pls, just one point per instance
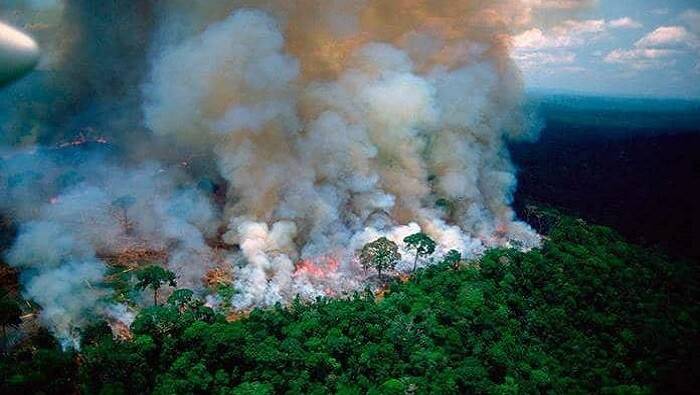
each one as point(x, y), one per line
point(663, 47)
point(621, 55)
point(574, 69)
point(535, 38)
point(625, 23)
point(575, 27)
point(568, 34)
point(531, 60)
point(642, 58)
point(536, 48)
point(668, 37)
point(544, 63)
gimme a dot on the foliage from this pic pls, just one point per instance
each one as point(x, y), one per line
point(587, 313)
point(40, 369)
point(9, 315)
point(380, 254)
point(423, 245)
point(452, 258)
point(183, 299)
point(155, 277)
point(9, 310)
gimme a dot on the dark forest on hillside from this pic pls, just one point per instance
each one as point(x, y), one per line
point(632, 165)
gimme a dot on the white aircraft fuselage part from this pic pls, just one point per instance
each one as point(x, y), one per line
point(19, 53)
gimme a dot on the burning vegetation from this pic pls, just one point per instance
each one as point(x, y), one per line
point(279, 196)
point(254, 148)
point(532, 322)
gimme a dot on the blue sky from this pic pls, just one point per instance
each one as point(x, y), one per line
point(616, 47)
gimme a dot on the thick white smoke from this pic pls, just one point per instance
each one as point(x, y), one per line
point(271, 139)
point(109, 212)
point(313, 165)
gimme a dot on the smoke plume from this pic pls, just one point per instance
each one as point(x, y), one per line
point(269, 139)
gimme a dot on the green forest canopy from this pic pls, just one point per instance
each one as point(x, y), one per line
point(587, 313)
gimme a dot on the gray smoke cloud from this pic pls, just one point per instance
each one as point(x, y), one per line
point(64, 238)
point(310, 162)
point(269, 138)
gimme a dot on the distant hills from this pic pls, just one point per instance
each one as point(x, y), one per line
point(629, 163)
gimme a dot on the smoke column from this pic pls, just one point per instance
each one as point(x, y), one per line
point(270, 139)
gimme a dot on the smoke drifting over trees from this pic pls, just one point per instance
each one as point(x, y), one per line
point(294, 132)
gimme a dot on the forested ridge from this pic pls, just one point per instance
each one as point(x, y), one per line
point(586, 313)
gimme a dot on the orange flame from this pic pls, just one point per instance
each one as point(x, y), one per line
point(320, 268)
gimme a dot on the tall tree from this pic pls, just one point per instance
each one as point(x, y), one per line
point(380, 254)
point(9, 315)
point(452, 258)
point(422, 244)
point(155, 277)
point(183, 299)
